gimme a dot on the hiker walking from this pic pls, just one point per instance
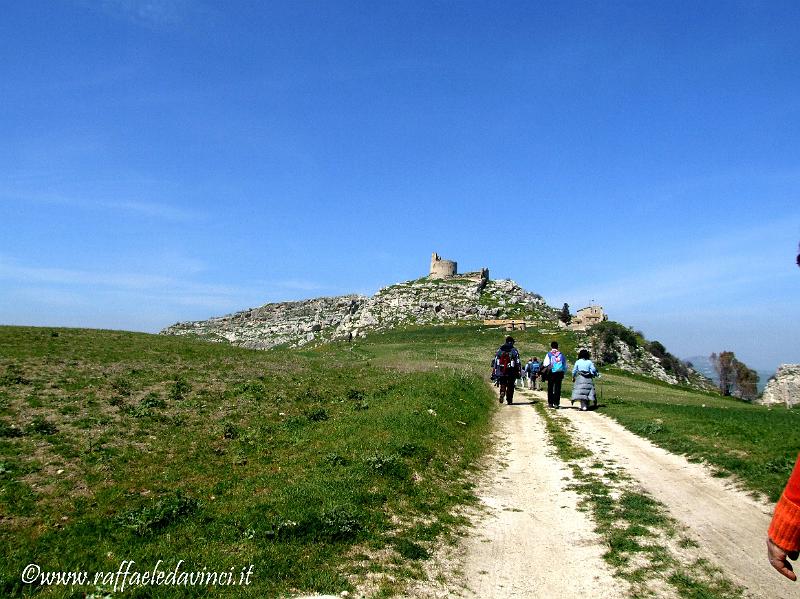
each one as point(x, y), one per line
point(555, 365)
point(583, 375)
point(508, 369)
point(532, 370)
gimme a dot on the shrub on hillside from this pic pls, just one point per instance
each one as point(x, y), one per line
point(150, 518)
point(409, 549)
point(609, 356)
point(9, 431)
point(335, 524)
point(317, 415)
point(672, 365)
point(179, 389)
point(608, 331)
point(152, 400)
point(42, 426)
point(387, 465)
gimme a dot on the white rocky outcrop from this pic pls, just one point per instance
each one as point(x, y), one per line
point(640, 361)
point(421, 302)
point(784, 387)
point(293, 323)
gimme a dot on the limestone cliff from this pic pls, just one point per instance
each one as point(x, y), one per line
point(784, 387)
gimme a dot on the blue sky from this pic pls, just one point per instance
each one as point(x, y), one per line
point(170, 160)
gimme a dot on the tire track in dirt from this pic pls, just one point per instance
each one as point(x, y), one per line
point(729, 525)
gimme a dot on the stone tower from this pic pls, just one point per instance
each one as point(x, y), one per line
point(442, 269)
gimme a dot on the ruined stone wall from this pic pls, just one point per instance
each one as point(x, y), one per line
point(477, 276)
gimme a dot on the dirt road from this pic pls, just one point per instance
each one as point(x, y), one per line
point(728, 525)
point(534, 543)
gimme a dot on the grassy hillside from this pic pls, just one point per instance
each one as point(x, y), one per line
point(323, 468)
point(314, 468)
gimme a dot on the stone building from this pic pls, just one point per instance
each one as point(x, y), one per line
point(587, 317)
point(448, 269)
point(442, 269)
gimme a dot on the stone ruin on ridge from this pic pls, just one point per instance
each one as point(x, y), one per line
point(448, 269)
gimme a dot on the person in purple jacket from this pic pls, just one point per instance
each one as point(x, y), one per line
point(555, 363)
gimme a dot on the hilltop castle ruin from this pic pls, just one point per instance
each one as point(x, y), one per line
point(448, 269)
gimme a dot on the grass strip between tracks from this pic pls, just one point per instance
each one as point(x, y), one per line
point(645, 546)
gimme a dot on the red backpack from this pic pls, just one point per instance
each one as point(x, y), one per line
point(506, 364)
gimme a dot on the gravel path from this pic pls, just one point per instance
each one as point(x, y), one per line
point(532, 542)
point(729, 525)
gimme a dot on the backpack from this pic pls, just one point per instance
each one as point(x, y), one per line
point(506, 365)
point(556, 362)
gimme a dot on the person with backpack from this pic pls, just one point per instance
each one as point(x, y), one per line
point(508, 369)
point(555, 365)
point(532, 370)
point(583, 375)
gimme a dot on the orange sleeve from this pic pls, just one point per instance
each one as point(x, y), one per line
point(792, 490)
point(785, 527)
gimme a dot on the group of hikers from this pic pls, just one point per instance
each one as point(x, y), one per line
point(507, 369)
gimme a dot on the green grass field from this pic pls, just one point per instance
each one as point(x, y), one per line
point(757, 444)
point(322, 468)
point(313, 468)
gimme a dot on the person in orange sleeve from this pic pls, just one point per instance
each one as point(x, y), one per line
point(783, 538)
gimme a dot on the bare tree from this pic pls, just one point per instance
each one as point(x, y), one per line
point(726, 372)
point(735, 377)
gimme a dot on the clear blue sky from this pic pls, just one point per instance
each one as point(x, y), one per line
point(170, 160)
